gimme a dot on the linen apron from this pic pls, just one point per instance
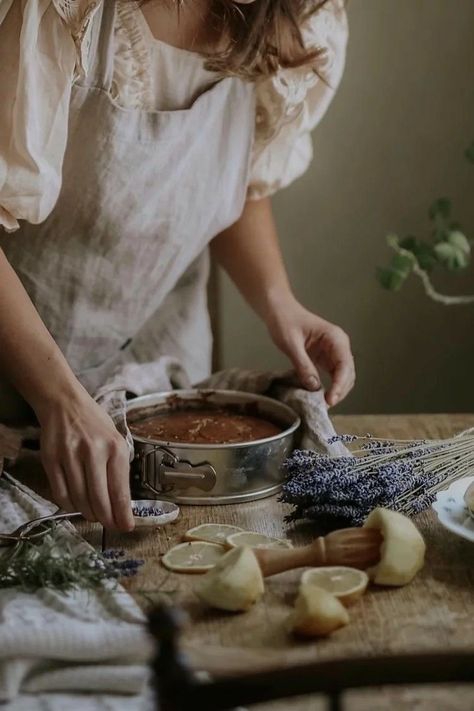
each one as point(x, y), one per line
point(118, 271)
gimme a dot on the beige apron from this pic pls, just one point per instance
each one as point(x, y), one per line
point(118, 271)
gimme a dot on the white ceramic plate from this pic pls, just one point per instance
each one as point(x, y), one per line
point(452, 511)
point(168, 512)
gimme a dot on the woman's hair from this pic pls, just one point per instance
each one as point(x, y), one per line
point(262, 36)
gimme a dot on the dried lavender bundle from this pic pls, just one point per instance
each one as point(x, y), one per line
point(403, 475)
point(53, 564)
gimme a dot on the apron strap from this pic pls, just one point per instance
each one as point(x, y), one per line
point(102, 48)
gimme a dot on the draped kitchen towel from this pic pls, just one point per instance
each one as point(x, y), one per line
point(92, 641)
point(166, 374)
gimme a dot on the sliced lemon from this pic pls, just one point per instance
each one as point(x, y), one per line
point(212, 533)
point(347, 584)
point(256, 540)
point(193, 557)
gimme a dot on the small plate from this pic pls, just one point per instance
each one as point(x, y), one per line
point(452, 511)
point(157, 513)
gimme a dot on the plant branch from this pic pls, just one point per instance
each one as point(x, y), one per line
point(427, 284)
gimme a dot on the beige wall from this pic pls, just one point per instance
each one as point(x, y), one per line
point(391, 142)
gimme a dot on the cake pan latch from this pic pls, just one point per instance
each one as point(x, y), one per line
point(162, 471)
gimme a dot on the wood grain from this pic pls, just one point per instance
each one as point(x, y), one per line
point(435, 612)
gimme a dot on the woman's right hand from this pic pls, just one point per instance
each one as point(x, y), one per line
point(86, 461)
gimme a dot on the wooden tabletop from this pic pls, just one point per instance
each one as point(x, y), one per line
point(434, 613)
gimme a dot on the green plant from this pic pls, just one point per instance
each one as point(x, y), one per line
point(448, 248)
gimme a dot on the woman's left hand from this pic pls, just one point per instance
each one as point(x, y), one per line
point(311, 343)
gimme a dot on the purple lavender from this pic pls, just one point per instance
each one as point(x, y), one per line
point(146, 511)
point(344, 490)
point(113, 553)
point(344, 438)
point(116, 565)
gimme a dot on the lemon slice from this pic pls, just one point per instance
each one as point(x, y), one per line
point(193, 557)
point(347, 584)
point(212, 533)
point(256, 540)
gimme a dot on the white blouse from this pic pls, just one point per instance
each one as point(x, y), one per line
point(44, 47)
point(172, 78)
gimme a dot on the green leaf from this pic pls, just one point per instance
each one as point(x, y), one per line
point(422, 251)
point(441, 208)
point(394, 276)
point(455, 252)
point(469, 153)
point(459, 240)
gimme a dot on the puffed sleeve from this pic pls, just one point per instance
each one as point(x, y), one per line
point(39, 57)
point(291, 104)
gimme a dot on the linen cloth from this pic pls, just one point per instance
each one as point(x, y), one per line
point(46, 45)
point(85, 641)
point(118, 271)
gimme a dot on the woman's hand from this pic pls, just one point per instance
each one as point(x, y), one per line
point(311, 343)
point(86, 461)
point(84, 456)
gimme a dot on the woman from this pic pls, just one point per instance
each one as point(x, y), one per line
point(132, 137)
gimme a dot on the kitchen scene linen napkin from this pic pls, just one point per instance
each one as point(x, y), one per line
point(92, 641)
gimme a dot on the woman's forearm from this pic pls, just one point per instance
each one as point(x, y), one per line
point(29, 357)
point(85, 458)
point(250, 253)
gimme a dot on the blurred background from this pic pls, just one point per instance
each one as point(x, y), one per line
point(392, 141)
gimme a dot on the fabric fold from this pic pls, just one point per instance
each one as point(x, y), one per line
point(166, 374)
point(88, 640)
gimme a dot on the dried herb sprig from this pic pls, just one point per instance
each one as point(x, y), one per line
point(54, 564)
point(403, 475)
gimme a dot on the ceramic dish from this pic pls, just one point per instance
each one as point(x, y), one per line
point(452, 511)
point(170, 512)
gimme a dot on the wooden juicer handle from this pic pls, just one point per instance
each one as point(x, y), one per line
point(352, 547)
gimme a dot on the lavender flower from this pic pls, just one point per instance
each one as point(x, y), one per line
point(345, 438)
point(400, 475)
point(113, 553)
point(117, 565)
point(145, 511)
point(53, 564)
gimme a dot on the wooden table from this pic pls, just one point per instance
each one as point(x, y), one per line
point(434, 613)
